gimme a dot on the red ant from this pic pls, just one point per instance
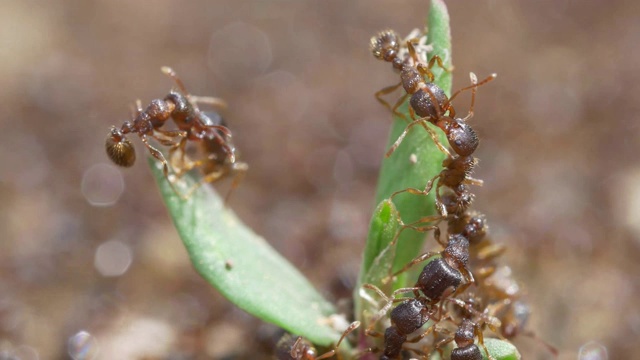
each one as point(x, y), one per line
point(193, 125)
point(292, 347)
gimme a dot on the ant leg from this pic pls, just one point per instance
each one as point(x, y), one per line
point(209, 100)
point(136, 109)
point(478, 333)
point(442, 343)
point(385, 91)
point(432, 329)
point(172, 133)
point(403, 135)
point(491, 252)
point(158, 155)
point(182, 167)
point(389, 300)
point(442, 209)
point(474, 81)
point(397, 106)
point(354, 325)
point(472, 181)
point(172, 74)
point(417, 260)
point(436, 235)
point(440, 62)
point(421, 68)
point(468, 276)
point(435, 139)
point(488, 79)
point(414, 191)
point(208, 178)
point(240, 169)
point(213, 132)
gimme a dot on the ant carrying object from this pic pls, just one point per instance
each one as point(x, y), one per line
point(193, 126)
point(291, 347)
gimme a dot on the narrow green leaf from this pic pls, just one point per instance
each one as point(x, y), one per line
point(417, 159)
point(378, 255)
point(499, 350)
point(243, 266)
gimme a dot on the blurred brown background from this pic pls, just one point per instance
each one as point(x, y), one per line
point(90, 261)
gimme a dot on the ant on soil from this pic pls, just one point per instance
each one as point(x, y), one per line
point(209, 131)
point(291, 347)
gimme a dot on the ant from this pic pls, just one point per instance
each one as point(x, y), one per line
point(464, 338)
point(461, 137)
point(440, 277)
point(406, 318)
point(291, 347)
point(386, 46)
point(193, 125)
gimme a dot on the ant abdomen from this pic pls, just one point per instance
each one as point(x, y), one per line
point(409, 316)
point(469, 352)
point(462, 138)
point(457, 249)
point(119, 149)
point(476, 229)
point(436, 277)
point(393, 340)
point(385, 45)
point(422, 101)
point(463, 337)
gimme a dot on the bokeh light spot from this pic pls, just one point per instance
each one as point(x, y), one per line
point(82, 346)
point(102, 185)
point(113, 258)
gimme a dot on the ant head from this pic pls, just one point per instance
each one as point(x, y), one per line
point(476, 228)
point(458, 201)
point(385, 45)
point(458, 250)
point(120, 149)
point(461, 137)
point(465, 333)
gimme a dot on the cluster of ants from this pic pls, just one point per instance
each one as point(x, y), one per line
point(202, 140)
point(462, 291)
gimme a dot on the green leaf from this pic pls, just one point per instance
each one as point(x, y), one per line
point(378, 256)
point(417, 159)
point(243, 266)
point(499, 350)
